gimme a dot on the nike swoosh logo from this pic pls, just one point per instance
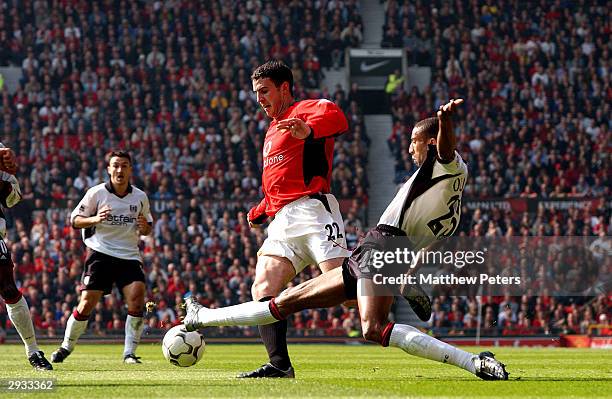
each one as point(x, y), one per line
point(367, 68)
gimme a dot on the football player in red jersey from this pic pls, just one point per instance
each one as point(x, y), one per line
point(307, 226)
point(441, 170)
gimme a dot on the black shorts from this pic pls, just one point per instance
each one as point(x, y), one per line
point(102, 270)
point(358, 265)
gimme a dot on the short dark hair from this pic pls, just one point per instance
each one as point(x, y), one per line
point(428, 126)
point(119, 154)
point(275, 70)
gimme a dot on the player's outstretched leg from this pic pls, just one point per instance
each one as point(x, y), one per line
point(374, 310)
point(244, 314)
point(249, 313)
point(417, 343)
point(19, 314)
point(321, 292)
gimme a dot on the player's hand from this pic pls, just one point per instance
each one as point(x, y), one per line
point(103, 213)
point(8, 161)
point(142, 224)
point(253, 225)
point(297, 127)
point(446, 111)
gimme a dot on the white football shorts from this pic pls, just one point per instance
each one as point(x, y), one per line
point(307, 231)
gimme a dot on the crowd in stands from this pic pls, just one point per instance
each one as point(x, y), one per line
point(169, 81)
point(536, 123)
point(520, 315)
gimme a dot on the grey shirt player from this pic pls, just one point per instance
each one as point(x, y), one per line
point(117, 235)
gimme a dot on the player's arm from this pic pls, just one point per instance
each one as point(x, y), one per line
point(87, 214)
point(321, 119)
point(10, 192)
point(144, 222)
point(257, 215)
point(83, 222)
point(446, 141)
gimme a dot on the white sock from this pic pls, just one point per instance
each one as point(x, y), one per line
point(74, 329)
point(19, 313)
point(416, 343)
point(133, 331)
point(246, 314)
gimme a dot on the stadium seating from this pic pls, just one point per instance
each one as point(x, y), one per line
point(170, 82)
point(535, 126)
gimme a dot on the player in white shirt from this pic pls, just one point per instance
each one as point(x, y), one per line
point(425, 209)
point(113, 216)
point(16, 305)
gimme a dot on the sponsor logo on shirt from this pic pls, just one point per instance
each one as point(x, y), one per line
point(269, 161)
point(272, 160)
point(267, 148)
point(120, 220)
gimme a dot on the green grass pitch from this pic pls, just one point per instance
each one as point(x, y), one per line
point(97, 371)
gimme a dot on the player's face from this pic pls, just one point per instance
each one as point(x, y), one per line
point(120, 171)
point(418, 146)
point(270, 97)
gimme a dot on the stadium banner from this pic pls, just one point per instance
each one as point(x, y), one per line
point(601, 342)
point(493, 266)
point(568, 203)
point(517, 206)
point(370, 68)
point(586, 341)
point(576, 341)
point(521, 205)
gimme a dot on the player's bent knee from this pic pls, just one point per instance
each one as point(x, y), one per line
point(9, 292)
point(263, 289)
point(256, 292)
point(135, 301)
point(86, 307)
point(286, 305)
point(87, 304)
point(372, 332)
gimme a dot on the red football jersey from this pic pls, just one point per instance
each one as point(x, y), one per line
point(293, 168)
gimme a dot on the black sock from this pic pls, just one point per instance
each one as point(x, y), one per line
point(274, 337)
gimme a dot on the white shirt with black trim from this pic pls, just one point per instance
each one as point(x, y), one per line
point(117, 235)
point(428, 206)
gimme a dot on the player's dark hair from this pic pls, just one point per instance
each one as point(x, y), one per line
point(119, 154)
point(428, 126)
point(275, 70)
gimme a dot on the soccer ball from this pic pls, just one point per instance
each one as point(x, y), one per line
point(181, 347)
